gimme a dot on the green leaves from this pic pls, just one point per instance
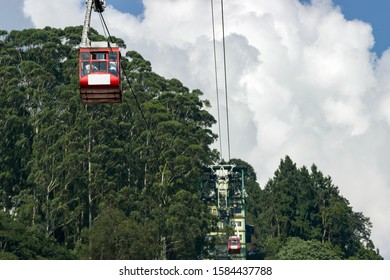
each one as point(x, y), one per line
point(116, 237)
point(309, 217)
point(69, 169)
point(298, 249)
point(186, 226)
point(18, 241)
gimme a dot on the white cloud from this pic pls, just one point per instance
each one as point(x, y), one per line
point(54, 13)
point(302, 81)
point(11, 15)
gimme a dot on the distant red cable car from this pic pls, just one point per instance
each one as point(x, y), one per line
point(234, 246)
point(100, 78)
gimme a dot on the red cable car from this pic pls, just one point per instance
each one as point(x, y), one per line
point(234, 246)
point(99, 68)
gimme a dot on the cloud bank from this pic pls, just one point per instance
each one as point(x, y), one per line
point(302, 81)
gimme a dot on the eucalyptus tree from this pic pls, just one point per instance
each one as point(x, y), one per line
point(307, 205)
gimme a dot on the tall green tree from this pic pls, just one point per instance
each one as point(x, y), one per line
point(308, 206)
point(64, 163)
point(117, 237)
point(298, 249)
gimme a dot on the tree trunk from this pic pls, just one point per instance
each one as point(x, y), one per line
point(89, 180)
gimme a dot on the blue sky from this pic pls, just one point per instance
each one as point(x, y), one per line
point(375, 12)
point(134, 7)
point(11, 13)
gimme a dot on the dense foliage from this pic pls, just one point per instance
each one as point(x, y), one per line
point(103, 181)
point(107, 182)
point(300, 214)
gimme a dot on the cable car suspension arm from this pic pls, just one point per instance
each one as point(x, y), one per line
point(98, 6)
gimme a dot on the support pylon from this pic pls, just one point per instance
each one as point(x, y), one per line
point(224, 192)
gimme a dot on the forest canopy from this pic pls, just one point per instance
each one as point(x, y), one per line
point(107, 182)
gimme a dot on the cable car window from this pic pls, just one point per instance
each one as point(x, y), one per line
point(86, 68)
point(99, 66)
point(85, 56)
point(113, 56)
point(99, 56)
point(113, 67)
point(233, 242)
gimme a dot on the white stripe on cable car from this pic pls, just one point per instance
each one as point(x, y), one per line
point(98, 79)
